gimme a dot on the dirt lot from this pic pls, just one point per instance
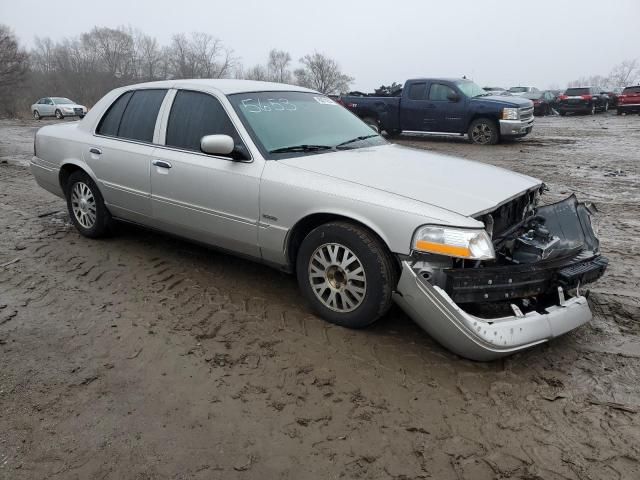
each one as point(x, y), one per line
point(147, 357)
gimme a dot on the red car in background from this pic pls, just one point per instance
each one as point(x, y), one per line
point(629, 100)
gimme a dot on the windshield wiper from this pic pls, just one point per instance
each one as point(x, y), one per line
point(357, 139)
point(301, 148)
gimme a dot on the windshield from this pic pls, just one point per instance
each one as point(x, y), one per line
point(285, 124)
point(518, 89)
point(470, 89)
point(61, 100)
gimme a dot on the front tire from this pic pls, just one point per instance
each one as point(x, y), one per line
point(86, 206)
point(59, 115)
point(346, 274)
point(36, 114)
point(483, 131)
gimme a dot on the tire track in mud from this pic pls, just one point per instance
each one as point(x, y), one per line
point(528, 416)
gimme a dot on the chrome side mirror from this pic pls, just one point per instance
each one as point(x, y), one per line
point(217, 144)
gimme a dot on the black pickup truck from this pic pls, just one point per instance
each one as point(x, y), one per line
point(445, 106)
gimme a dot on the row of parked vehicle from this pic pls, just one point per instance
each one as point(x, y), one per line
point(455, 106)
point(576, 100)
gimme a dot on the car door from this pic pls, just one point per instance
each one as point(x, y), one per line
point(210, 198)
point(412, 107)
point(443, 114)
point(48, 107)
point(121, 150)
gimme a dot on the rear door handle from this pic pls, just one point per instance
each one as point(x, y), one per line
point(161, 164)
point(95, 151)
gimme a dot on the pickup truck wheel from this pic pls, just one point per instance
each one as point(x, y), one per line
point(373, 123)
point(36, 114)
point(346, 274)
point(483, 131)
point(59, 115)
point(86, 206)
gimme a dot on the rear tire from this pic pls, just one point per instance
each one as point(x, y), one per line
point(346, 274)
point(562, 113)
point(86, 206)
point(483, 131)
point(619, 111)
point(59, 115)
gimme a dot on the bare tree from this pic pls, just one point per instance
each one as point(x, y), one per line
point(278, 66)
point(625, 73)
point(114, 48)
point(322, 73)
point(201, 56)
point(149, 59)
point(13, 59)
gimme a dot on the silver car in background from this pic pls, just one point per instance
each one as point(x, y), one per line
point(58, 107)
point(286, 176)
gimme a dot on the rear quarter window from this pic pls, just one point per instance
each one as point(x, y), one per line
point(111, 121)
point(417, 91)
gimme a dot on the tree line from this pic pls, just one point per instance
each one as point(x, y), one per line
point(86, 67)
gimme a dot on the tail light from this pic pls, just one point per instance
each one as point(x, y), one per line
point(562, 97)
point(339, 100)
point(587, 97)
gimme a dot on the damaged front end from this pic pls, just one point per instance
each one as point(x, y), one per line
point(530, 292)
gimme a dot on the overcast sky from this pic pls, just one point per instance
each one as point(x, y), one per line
point(504, 43)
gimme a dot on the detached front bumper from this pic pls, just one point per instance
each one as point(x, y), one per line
point(477, 338)
point(516, 128)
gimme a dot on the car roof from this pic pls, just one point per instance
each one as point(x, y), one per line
point(437, 79)
point(223, 85)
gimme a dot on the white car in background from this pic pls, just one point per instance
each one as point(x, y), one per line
point(519, 91)
point(58, 107)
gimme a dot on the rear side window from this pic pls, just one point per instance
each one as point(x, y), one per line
point(417, 91)
point(631, 90)
point(195, 115)
point(133, 115)
point(139, 119)
point(111, 121)
point(439, 92)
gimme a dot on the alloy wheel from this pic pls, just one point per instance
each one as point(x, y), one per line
point(481, 133)
point(337, 277)
point(83, 204)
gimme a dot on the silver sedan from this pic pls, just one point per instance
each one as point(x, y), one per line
point(58, 107)
point(288, 177)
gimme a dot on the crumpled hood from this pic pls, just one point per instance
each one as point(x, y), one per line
point(461, 186)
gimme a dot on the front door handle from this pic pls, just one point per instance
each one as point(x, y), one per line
point(95, 151)
point(161, 164)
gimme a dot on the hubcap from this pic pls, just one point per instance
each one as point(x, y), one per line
point(481, 133)
point(337, 277)
point(83, 204)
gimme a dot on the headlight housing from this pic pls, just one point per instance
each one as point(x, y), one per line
point(471, 244)
point(510, 114)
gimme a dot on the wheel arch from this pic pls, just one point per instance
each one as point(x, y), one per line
point(306, 224)
point(70, 166)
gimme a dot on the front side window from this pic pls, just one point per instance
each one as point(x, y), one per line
point(195, 115)
point(285, 124)
point(440, 93)
point(133, 115)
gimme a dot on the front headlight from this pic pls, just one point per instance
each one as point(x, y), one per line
point(510, 114)
point(454, 242)
point(68, 109)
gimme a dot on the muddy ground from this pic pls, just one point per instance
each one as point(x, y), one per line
point(146, 357)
